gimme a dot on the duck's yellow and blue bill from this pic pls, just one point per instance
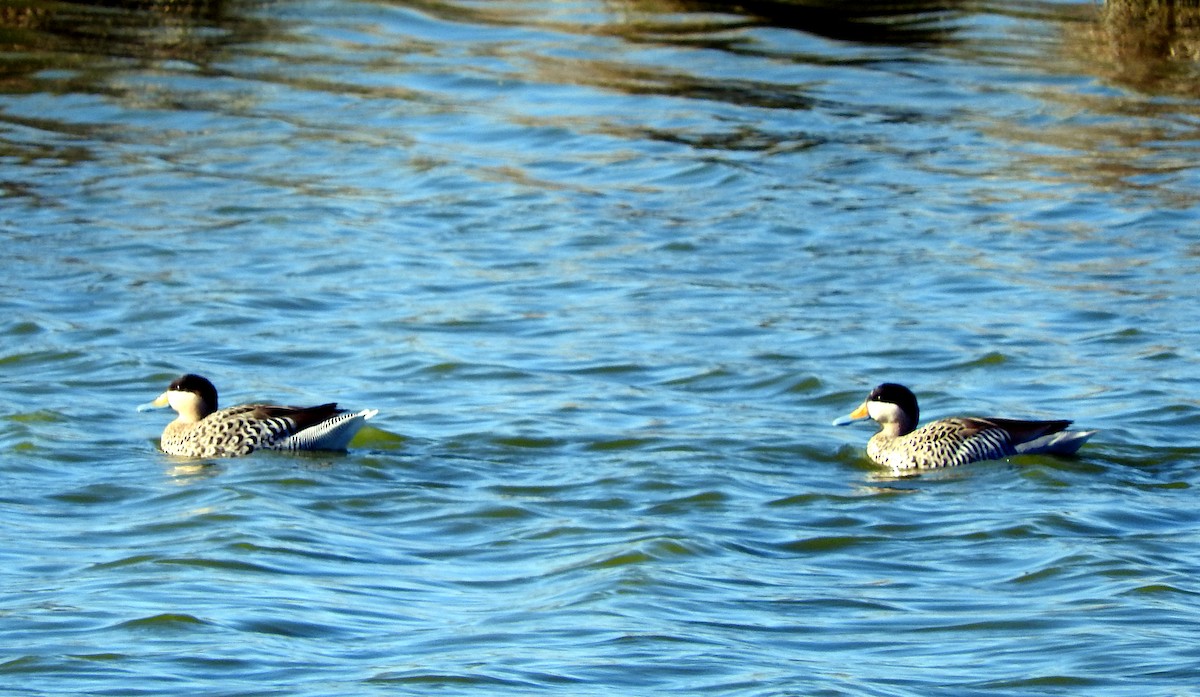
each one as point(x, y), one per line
point(857, 415)
point(158, 403)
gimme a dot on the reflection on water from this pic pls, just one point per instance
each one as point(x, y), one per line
point(80, 47)
point(1102, 137)
point(1152, 47)
point(149, 30)
point(1147, 45)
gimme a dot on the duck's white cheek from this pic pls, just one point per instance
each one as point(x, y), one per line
point(182, 401)
point(883, 412)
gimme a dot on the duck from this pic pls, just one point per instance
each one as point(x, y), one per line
point(953, 441)
point(201, 429)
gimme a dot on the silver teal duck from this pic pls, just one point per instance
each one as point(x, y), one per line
point(954, 441)
point(203, 430)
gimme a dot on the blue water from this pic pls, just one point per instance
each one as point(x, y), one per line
point(608, 270)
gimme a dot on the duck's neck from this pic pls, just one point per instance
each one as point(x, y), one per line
point(895, 429)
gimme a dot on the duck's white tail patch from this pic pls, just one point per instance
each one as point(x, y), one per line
point(331, 434)
point(1061, 443)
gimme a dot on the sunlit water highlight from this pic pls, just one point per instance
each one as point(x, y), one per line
point(608, 270)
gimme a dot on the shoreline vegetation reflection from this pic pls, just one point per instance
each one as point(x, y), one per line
point(1148, 47)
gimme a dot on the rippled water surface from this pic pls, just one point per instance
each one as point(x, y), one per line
point(608, 270)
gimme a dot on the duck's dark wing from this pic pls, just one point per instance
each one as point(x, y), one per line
point(1018, 430)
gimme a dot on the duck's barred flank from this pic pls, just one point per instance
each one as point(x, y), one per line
point(230, 433)
point(946, 443)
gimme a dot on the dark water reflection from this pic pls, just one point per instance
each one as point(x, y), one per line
point(900, 23)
